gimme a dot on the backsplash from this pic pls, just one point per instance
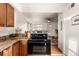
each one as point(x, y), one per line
point(6, 30)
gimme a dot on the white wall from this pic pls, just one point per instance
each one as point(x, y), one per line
point(24, 27)
point(70, 32)
point(20, 19)
point(60, 32)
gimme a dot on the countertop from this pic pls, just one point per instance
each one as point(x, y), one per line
point(9, 42)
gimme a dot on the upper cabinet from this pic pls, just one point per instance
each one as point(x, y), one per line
point(2, 14)
point(10, 16)
point(6, 15)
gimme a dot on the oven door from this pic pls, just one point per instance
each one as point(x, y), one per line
point(39, 48)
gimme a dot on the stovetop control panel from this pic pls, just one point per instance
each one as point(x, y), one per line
point(39, 35)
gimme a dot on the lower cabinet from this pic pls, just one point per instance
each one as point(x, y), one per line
point(17, 49)
point(8, 51)
point(12, 50)
point(23, 48)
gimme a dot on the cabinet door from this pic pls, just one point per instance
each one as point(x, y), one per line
point(16, 49)
point(10, 16)
point(2, 14)
point(8, 51)
point(5, 52)
point(23, 48)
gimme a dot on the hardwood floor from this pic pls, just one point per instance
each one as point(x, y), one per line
point(55, 51)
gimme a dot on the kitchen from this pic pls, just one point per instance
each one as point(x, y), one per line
point(28, 29)
point(15, 33)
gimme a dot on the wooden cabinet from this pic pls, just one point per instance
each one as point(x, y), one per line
point(10, 16)
point(15, 49)
point(2, 14)
point(8, 51)
point(6, 15)
point(23, 48)
point(12, 50)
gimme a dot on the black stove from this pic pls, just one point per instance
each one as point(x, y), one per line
point(39, 44)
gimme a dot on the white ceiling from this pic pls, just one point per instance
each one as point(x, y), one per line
point(42, 10)
point(53, 16)
point(40, 7)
